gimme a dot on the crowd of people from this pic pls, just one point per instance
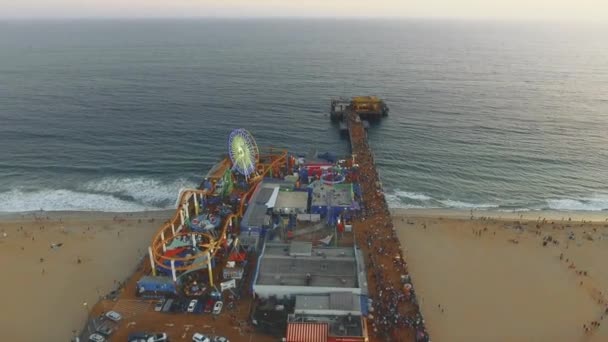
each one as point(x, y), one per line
point(395, 314)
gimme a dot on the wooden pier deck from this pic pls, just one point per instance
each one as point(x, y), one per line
point(396, 315)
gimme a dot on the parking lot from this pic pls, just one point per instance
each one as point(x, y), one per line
point(140, 316)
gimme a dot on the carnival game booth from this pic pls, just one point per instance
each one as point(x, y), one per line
point(236, 263)
point(155, 287)
point(313, 170)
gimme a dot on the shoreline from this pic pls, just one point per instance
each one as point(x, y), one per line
point(532, 215)
point(553, 215)
point(79, 214)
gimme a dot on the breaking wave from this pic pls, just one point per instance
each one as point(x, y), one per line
point(464, 205)
point(597, 203)
point(107, 194)
point(124, 194)
point(412, 195)
point(413, 200)
point(147, 191)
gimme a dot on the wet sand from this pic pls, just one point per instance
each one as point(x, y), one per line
point(485, 279)
point(45, 288)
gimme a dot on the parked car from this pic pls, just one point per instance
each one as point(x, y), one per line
point(217, 307)
point(167, 306)
point(220, 339)
point(148, 337)
point(209, 305)
point(198, 337)
point(192, 305)
point(113, 315)
point(96, 338)
point(105, 329)
point(138, 337)
point(159, 304)
point(158, 337)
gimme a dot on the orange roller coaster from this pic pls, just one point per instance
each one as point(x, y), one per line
point(178, 248)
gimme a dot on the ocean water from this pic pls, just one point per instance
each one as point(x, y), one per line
point(119, 115)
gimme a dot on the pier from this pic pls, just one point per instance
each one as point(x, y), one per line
point(396, 315)
point(266, 293)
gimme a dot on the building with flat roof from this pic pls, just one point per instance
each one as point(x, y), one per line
point(291, 202)
point(336, 303)
point(287, 270)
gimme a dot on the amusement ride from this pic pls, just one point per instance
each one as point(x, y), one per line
point(206, 221)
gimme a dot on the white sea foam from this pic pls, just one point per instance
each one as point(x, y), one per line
point(518, 210)
point(108, 194)
point(596, 203)
point(412, 195)
point(53, 200)
point(399, 199)
point(464, 205)
point(395, 202)
point(147, 191)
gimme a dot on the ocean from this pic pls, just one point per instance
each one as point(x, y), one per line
point(119, 115)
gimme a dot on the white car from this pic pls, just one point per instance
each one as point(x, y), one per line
point(192, 305)
point(220, 339)
point(158, 337)
point(113, 315)
point(217, 308)
point(198, 337)
point(96, 338)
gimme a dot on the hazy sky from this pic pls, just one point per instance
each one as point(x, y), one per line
point(592, 10)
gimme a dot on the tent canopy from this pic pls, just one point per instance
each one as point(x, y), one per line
point(307, 332)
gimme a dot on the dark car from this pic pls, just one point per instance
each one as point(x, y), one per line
point(105, 329)
point(209, 305)
point(138, 337)
point(177, 306)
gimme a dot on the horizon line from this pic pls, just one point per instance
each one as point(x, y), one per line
point(304, 17)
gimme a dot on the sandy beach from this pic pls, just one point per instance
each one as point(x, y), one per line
point(480, 279)
point(45, 288)
point(508, 279)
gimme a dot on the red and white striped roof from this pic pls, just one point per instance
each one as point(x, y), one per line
point(307, 332)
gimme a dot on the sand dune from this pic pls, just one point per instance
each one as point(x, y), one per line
point(45, 288)
point(502, 284)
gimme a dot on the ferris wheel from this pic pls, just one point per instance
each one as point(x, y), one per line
point(243, 151)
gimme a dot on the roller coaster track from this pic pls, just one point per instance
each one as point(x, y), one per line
point(208, 244)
